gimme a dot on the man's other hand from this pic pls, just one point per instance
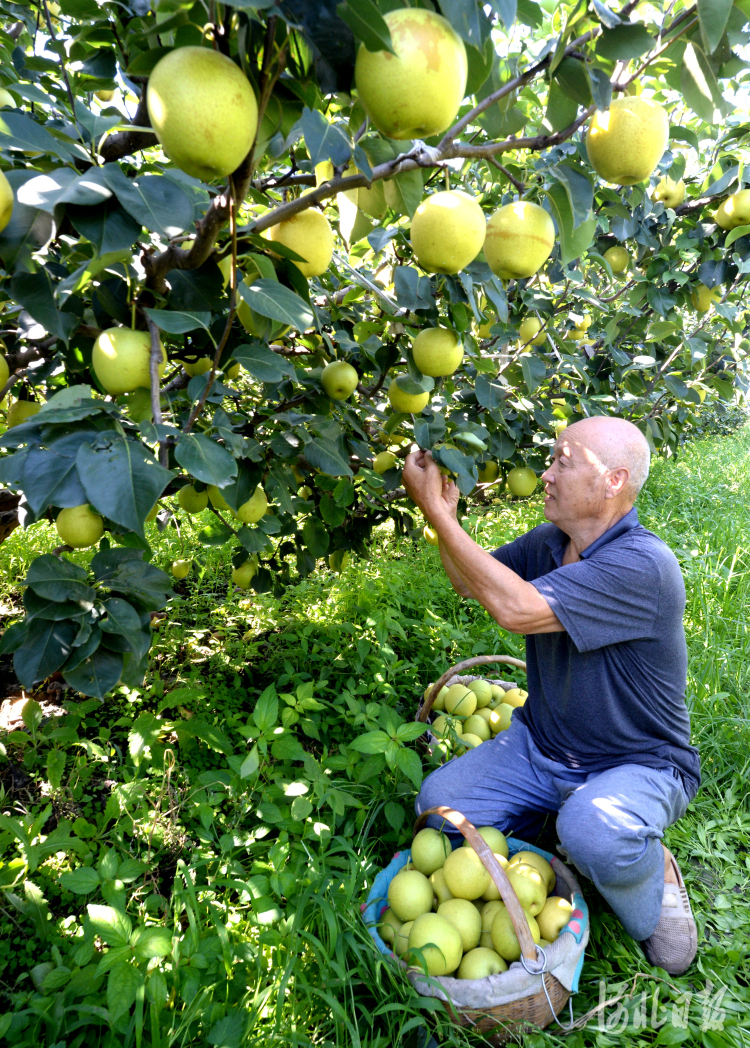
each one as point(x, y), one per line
point(427, 487)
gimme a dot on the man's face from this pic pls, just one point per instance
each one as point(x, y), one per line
point(574, 482)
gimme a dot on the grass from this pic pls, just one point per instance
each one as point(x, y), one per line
point(255, 852)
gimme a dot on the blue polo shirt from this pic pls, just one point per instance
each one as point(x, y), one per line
point(610, 689)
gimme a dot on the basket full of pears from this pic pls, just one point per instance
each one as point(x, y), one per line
point(494, 927)
point(464, 711)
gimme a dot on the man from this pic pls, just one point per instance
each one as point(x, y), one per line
point(603, 738)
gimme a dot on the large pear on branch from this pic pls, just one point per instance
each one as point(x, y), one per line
point(121, 359)
point(447, 231)
point(203, 111)
point(519, 240)
point(627, 141)
point(310, 236)
point(437, 351)
point(6, 201)
point(415, 92)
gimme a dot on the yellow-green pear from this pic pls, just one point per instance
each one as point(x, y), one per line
point(470, 741)
point(384, 461)
point(529, 885)
point(465, 918)
point(529, 329)
point(480, 963)
point(498, 694)
point(627, 141)
point(618, 258)
point(79, 526)
point(7, 101)
point(460, 701)
point(447, 232)
point(521, 481)
point(245, 573)
point(488, 472)
point(217, 499)
point(401, 942)
point(503, 934)
point(520, 238)
point(121, 359)
point(515, 697)
point(389, 927)
point(671, 193)
point(192, 501)
point(483, 691)
point(494, 838)
point(703, 298)
point(251, 511)
point(721, 216)
point(431, 537)
point(310, 236)
point(441, 890)
point(198, 367)
point(429, 850)
point(737, 208)
point(338, 560)
point(416, 92)
point(339, 379)
point(409, 403)
point(465, 874)
point(492, 893)
point(439, 942)
point(409, 895)
point(533, 859)
point(442, 724)
point(104, 96)
point(500, 719)
point(6, 201)
point(437, 351)
point(181, 568)
point(553, 917)
point(20, 410)
point(203, 111)
point(476, 725)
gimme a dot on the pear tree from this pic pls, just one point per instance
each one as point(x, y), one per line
point(252, 253)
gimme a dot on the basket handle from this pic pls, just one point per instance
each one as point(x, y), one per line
point(467, 664)
point(495, 870)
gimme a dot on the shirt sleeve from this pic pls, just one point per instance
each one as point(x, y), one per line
point(611, 598)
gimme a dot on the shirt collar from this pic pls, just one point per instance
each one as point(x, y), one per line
point(558, 540)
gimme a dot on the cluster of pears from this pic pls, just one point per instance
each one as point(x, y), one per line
point(445, 912)
point(470, 714)
point(734, 211)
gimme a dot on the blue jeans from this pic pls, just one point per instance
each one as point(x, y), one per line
point(609, 822)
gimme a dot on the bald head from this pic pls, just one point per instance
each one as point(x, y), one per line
point(617, 444)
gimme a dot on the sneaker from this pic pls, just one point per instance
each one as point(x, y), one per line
point(674, 942)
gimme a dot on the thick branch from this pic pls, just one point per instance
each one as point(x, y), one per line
point(125, 143)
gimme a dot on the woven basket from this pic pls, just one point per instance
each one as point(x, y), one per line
point(528, 995)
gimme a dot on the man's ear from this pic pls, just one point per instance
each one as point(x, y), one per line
point(618, 480)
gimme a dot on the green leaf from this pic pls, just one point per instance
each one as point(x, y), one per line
point(152, 942)
point(316, 537)
point(205, 460)
point(713, 16)
point(28, 229)
point(215, 534)
point(367, 24)
point(561, 110)
point(98, 674)
point(155, 201)
point(404, 192)
point(262, 363)
point(288, 748)
point(573, 239)
point(55, 768)
point(81, 881)
point(122, 986)
point(534, 371)
point(661, 300)
point(108, 227)
point(272, 299)
point(136, 578)
point(572, 76)
point(50, 475)
point(411, 731)
point(112, 926)
point(411, 766)
point(266, 712)
point(735, 234)
point(301, 808)
point(699, 86)
point(122, 479)
point(371, 742)
point(45, 648)
point(579, 189)
point(58, 579)
point(64, 185)
point(27, 134)
point(324, 141)
point(176, 322)
point(35, 292)
point(627, 40)
point(213, 737)
point(250, 764)
point(326, 455)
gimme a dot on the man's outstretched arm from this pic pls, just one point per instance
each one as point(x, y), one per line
point(515, 604)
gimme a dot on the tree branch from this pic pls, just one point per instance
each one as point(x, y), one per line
point(125, 143)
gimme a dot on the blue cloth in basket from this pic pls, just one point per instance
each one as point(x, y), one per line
point(377, 899)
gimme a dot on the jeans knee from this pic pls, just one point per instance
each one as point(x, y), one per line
point(605, 853)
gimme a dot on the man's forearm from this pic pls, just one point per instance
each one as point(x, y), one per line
point(514, 603)
point(457, 580)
